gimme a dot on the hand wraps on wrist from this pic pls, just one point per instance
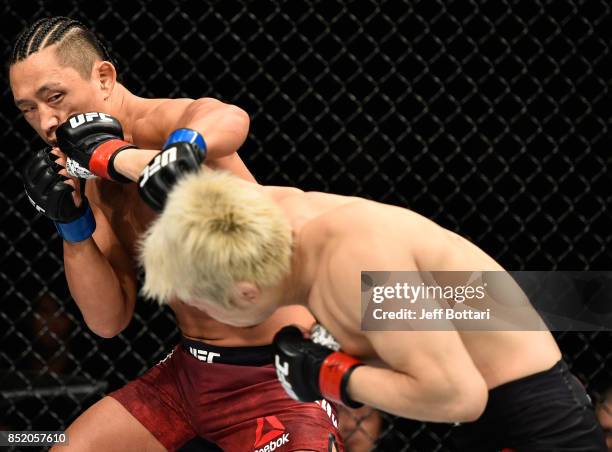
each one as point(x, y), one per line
point(80, 229)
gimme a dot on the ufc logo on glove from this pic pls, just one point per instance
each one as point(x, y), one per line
point(160, 160)
point(78, 120)
point(282, 372)
point(40, 209)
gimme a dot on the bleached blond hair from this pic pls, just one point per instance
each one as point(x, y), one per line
point(215, 230)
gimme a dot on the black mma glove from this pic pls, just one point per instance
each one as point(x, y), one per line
point(93, 140)
point(183, 153)
point(310, 371)
point(46, 190)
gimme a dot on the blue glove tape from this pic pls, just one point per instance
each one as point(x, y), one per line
point(78, 230)
point(186, 136)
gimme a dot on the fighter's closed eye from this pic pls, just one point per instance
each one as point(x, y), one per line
point(55, 98)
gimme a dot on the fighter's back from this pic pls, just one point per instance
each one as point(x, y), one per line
point(390, 238)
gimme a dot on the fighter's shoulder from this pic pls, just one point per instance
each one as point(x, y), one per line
point(155, 118)
point(351, 215)
point(172, 109)
point(165, 108)
point(342, 226)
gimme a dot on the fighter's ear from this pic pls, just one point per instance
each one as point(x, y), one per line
point(244, 294)
point(105, 72)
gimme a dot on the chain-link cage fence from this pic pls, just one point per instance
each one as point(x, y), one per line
point(489, 117)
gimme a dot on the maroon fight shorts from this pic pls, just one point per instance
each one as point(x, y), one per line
point(229, 396)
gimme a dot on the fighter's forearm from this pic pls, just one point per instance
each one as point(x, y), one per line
point(105, 300)
point(131, 162)
point(400, 394)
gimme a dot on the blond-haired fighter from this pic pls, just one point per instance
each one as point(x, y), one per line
point(220, 382)
point(238, 251)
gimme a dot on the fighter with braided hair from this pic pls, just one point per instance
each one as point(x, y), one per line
point(219, 383)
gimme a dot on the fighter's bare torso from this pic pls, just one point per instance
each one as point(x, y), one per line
point(324, 224)
point(129, 217)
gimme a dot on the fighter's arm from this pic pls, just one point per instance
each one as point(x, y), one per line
point(222, 126)
point(95, 141)
point(106, 292)
point(98, 271)
point(101, 279)
point(430, 374)
point(430, 377)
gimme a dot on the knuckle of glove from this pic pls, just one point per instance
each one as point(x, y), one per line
point(63, 208)
point(47, 191)
point(189, 156)
point(38, 170)
point(288, 341)
point(53, 162)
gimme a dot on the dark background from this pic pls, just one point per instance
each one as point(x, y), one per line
point(490, 117)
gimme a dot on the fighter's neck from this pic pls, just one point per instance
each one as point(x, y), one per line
point(293, 203)
point(305, 255)
point(295, 288)
point(124, 106)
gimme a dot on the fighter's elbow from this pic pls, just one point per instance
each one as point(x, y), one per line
point(454, 396)
point(231, 130)
point(104, 332)
point(468, 400)
point(107, 329)
point(238, 121)
point(227, 117)
point(240, 116)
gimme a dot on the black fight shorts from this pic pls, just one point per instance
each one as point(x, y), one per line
point(545, 412)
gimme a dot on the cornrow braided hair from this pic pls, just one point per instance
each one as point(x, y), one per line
point(51, 30)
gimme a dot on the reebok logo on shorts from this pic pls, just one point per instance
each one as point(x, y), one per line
point(273, 438)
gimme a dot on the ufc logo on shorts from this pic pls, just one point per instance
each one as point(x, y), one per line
point(77, 120)
point(203, 355)
point(282, 372)
point(160, 160)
